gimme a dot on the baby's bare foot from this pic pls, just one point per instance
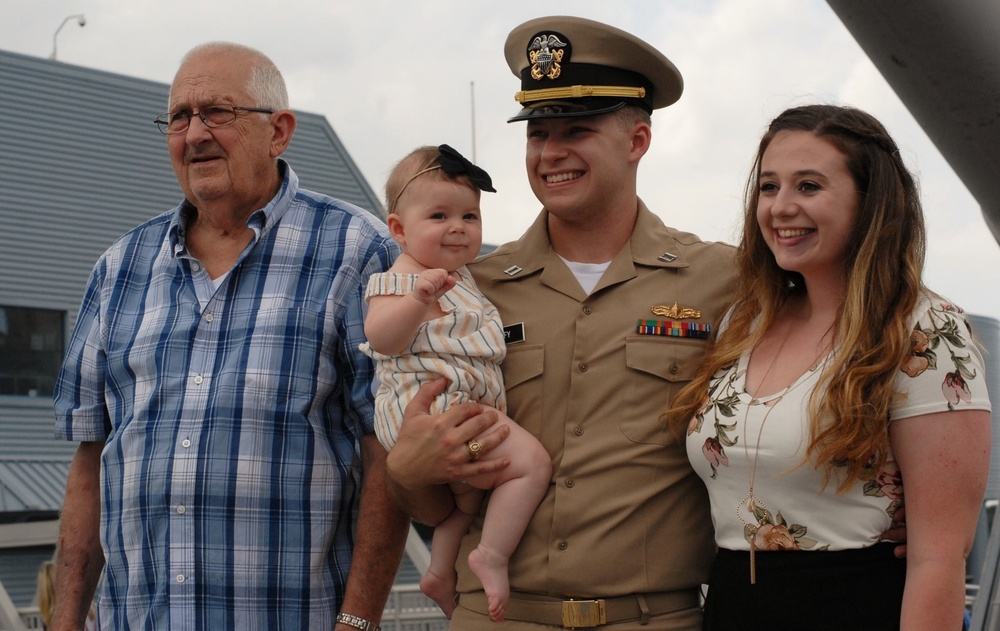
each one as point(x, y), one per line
point(440, 590)
point(491, 569)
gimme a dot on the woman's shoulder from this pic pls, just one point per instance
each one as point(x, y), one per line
point(934, 312)
point(943, 368)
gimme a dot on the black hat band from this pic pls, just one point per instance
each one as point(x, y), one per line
point(584, 80)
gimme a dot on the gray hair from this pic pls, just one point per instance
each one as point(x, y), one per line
point(266, 86)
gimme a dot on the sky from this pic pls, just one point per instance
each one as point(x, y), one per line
point(392, 75)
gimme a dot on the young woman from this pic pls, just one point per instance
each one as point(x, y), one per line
point(836, 376)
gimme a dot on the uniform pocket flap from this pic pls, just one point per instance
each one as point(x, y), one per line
point(672, 359)
point(523, 363)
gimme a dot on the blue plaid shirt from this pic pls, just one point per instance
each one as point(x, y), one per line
point(231, 472)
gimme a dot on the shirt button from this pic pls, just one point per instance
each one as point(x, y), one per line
point(198, 379)
point(196, 266)
point(673, 369)
point(185, 443)
point(180, 578)
point(587, 310)
point(584, 368)
point(209, 317)
point(570, 483)
point(578, 430)
point(181, 510)
point(563, 545)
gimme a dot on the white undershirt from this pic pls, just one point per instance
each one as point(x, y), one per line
point(587, 274)
point(217, 282)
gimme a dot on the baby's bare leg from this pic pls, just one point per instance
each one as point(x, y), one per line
point(438, 582)
point(511, 506)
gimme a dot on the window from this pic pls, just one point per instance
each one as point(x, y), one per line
point(31, 350)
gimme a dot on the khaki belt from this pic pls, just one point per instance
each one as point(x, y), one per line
point(577, 613)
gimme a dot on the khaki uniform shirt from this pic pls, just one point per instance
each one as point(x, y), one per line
point(625, 513)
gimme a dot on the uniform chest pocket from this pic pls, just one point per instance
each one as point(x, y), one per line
point(658, 367)
point(522, 379)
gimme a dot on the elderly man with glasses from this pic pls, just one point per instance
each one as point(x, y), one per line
point(214, 381)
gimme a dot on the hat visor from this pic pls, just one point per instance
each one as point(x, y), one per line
point(567, 109)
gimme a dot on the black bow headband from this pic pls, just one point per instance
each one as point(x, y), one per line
point(453, 163)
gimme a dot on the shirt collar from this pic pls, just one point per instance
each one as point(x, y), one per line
point(652, 244)
point(260, 221)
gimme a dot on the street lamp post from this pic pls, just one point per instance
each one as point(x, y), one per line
point(82, 21)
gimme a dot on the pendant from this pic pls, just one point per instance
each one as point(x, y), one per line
point(750, 501)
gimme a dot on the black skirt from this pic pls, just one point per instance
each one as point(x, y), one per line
point(814, 591)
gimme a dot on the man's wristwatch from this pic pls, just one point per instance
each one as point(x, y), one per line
point(358, 623)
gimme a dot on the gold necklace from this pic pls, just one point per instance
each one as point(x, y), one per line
point(752, 500)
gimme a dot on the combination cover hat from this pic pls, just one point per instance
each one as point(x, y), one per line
point(572, 66)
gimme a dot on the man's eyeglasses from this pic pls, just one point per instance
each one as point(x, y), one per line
point(212, 116)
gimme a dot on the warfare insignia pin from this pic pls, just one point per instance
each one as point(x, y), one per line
point(545, 54)
point(675, 311)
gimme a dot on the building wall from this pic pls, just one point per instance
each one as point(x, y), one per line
point(19, 573)
point(987, 330)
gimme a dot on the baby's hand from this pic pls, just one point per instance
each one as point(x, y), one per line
point(432, 284)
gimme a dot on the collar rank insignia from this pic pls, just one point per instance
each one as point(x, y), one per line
point(513, 270)
point(675, 311)
point(667, 257)
point(545, 54)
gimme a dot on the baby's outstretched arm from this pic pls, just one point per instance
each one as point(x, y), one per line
point(392, 321)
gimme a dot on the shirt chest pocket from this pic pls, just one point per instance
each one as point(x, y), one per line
point(522, 378)
point(658, 367)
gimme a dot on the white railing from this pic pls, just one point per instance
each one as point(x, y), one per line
point(409, 610)
point(31, 618)
point(406, 610)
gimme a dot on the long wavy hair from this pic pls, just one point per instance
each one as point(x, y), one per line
point(849, 410)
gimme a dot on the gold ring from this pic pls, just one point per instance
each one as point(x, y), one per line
point(475, 449)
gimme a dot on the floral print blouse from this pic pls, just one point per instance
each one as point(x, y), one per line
point(791, 509)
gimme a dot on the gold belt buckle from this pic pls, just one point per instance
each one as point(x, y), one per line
point(583, 613)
